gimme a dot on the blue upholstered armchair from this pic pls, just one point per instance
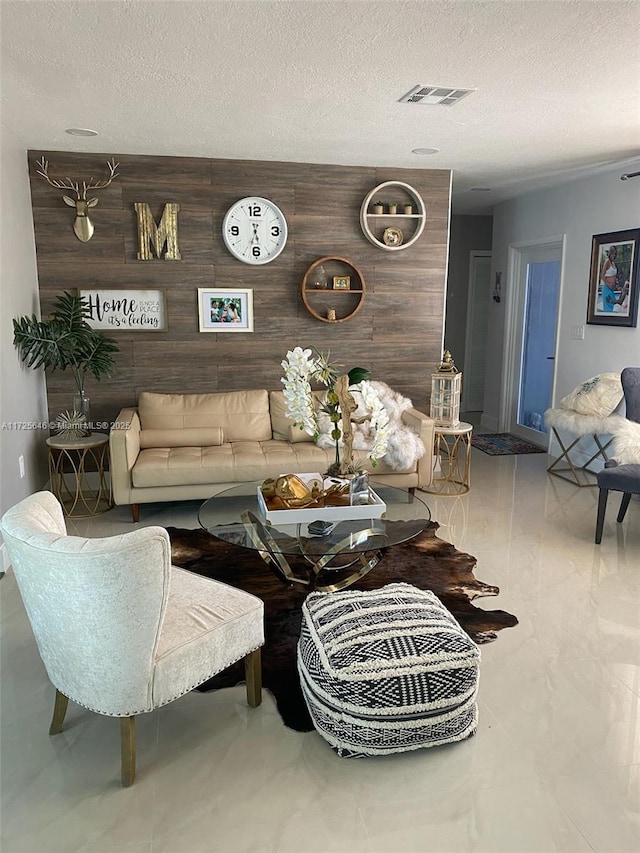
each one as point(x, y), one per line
point(622, 472)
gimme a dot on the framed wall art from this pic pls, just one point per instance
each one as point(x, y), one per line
point(342, 282)
point(613, 281)
point(225, 310)
point(126, 310)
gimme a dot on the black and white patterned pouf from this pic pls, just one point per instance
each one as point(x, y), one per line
point(385, 671)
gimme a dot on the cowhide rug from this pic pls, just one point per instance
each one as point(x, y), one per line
point(427, 562)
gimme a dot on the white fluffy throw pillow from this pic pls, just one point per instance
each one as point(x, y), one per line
point(597, 396)
point(625, 448)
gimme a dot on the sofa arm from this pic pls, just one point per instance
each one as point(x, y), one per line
point(423, 425)
point(124, 447)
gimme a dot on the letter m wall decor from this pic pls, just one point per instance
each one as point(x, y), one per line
point(150, 234)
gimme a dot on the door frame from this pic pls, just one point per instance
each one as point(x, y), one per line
point(514, 308)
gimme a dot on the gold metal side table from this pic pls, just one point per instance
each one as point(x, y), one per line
point(452, 446)
point(72, 463)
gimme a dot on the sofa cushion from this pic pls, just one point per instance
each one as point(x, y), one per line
point(282, 426)
point(243, 415)
point(187, 437)
point(240, 462)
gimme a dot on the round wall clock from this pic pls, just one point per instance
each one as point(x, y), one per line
point(254, 230)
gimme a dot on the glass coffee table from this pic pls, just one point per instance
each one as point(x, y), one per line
point(324, 563)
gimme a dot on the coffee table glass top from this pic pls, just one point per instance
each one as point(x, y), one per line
point(233, 516)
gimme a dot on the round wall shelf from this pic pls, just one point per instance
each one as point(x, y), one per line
point(393, 232)
point(332, 289)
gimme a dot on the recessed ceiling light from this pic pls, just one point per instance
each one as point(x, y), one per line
point(81, 131)
point(425, 150)
point(480, 189)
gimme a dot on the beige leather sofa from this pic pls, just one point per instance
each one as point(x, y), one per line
point(176, 447)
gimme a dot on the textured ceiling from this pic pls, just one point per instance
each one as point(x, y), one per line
point(557, 83)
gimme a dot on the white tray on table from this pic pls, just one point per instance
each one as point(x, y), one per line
point(376, 508)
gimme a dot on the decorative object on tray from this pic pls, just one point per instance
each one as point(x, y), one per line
point(392, 236)
point(427, 562)
point(290, 491)
point(299, 498)
point(64, 341)
point(303, 366)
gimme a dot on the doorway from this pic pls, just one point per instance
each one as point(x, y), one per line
point(535, 276)
point(475, 350)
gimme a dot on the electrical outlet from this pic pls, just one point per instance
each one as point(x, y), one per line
point(21, 466)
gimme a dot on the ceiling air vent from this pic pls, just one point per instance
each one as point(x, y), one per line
point(443, 96)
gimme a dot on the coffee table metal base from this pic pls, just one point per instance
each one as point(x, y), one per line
point(321, 576)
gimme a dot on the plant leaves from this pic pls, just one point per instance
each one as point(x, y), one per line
point(66, 340)
point(358, 374)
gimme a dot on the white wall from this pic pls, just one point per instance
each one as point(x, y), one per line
point(578, 210)
point(22, 391)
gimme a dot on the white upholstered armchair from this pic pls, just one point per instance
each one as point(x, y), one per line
point(120, 630)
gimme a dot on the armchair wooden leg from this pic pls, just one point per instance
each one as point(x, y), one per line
point(59, 710)
point(626, 499)
point(253, 674)
point(602, 507)
point(127, 750)
point(135, 512)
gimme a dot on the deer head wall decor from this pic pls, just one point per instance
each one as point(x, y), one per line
point(82, 226)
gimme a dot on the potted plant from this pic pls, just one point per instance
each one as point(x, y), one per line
point(65, 341)
point(393, 207)
point(378, 207)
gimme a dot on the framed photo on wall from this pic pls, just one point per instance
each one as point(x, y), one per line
point(613, 280)
point(225, 310)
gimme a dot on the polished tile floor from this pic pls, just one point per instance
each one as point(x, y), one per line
point(555, 765)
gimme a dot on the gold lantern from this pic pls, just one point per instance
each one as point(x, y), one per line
point(445, 393)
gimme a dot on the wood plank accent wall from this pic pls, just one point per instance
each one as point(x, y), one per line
point(397, 334)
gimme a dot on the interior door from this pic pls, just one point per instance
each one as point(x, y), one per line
point(537, 291)
point(476, 339)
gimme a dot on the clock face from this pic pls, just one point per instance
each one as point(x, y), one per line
point(254, 230)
